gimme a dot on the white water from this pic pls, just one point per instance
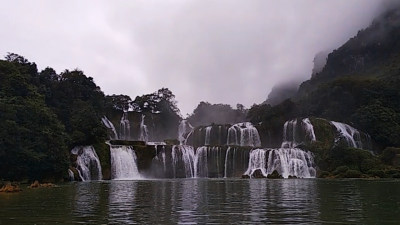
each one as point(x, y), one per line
point(226, 162)
point(286, 161)
point(125, 127)
point(257, 161)
point(123, 163)
point(309, 128)
point(88, 163)
point(248, 135)
point(184, 129)
point(208, 136)
point(71, 175)
point(110, 126)
point(144, 134)
point(292, 131)
point(350, 134)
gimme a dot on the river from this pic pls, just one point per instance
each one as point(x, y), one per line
point(211, 201)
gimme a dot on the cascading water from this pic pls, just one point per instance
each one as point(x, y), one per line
point(309, 128)
point(88, 163)
point(184, 129)
point(110, 126)
point(351, 135)
point(243, 134)
point(207, 140)
point(286, 161)
point(295, 133)
point(123, 163)
point(125, 127)
point(144, 134)
point(71, 175)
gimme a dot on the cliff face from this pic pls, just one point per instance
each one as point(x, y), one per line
point(373, 52)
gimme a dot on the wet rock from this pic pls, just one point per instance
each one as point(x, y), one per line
point(274, 175)
point(258, 174)
point(292, 177)
point(245, 176)
point(10, 188)
point(36, 184)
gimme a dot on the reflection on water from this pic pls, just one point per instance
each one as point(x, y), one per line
point(200, 201)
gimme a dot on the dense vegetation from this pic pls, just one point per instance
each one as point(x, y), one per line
point(44, 114)
point(207, 113)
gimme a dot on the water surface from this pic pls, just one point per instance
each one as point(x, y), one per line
point(200, 201)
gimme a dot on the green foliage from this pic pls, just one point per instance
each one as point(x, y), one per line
point(33, 141)
point(206, 113)
point(42, 116)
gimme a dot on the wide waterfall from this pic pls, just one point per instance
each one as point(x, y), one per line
point(351, 136)
point(243, 134)
point(286, 161)
point(189, 162)
point(88, 163)
point(144, 134)
point(125, 127)
point(110, 126)
point(123, 163)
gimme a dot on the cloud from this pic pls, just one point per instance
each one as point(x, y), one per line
point(217, 51)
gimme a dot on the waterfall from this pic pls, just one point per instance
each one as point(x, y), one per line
point(257, 161)
point(71, 175)
point(184, 129)
point(144, 134)
point(208, 135)
point(232, 136)
point(123, 163)
point(295, 133)
point(309, 128)
point(201, 162)
point(88, 163)
point(351, 135)
point(125, 127)
point(183, 154)
point(110, 126)
point(291, 162)
point(286, 161)
point(248, 135)
point(226, 162)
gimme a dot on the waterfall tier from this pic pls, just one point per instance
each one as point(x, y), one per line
point(185, 129)
point(87, 163)
point(351, 136)
point(123, 163)
point(296, 132)
point(111, 127)
point(286, 161)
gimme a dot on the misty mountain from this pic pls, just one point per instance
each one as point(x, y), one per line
point(358, 85)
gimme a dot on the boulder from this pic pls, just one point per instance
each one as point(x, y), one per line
point(10, 188)
point(245, 176)
point(36, 184)
point(258, 174)
point(274, 175)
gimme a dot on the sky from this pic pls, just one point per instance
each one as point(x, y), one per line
point(223, 51)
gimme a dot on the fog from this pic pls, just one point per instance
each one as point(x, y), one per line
point(215, 51)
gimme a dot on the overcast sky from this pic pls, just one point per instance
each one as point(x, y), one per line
point(216, 51)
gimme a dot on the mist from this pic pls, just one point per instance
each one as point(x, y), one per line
point(215, 51)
